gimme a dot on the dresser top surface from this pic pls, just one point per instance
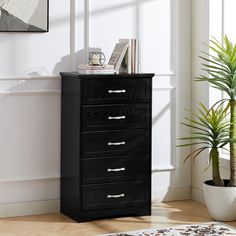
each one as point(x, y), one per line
point(87, 76)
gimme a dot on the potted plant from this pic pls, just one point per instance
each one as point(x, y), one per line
point(210, 130)
point(221, 68)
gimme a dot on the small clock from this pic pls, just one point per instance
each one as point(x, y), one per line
point(97, 58)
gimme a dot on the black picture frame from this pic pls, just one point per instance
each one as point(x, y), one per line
point(32, 30)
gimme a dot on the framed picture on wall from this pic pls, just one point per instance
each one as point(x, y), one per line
point(24, 15)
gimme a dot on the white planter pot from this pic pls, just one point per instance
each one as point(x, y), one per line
point(220, 201)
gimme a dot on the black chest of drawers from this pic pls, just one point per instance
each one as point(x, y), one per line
point(106, 145)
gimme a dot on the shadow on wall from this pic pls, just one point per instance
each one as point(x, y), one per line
point(64, 65)
point(79, 57)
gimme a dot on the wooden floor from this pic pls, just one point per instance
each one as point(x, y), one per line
point(164, 214)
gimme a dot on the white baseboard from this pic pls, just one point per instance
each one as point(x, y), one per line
point(197, 195)
point(53, 206)
point(29, 208)
point(173, 194)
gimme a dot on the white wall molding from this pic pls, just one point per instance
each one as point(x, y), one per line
point(26, 77)
point(56, 76)
point(197, 195)
point(72, 33)
point(200, 91)
point(86, 28)
point(170, 164)
point(171, 194)
point(223, 19)
point(174, 28)
point(162, 168)
point(30, 92)
point(29, 179)
point(170, 73)
point(30, 208)
point(163, 88)
point(173, 125)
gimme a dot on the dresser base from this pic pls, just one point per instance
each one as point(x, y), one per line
point(110, 213)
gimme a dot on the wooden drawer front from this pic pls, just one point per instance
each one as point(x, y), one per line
point(116, 116)
point(102, 170)
point(105, 196)
point(116, 143)
point(109, 90)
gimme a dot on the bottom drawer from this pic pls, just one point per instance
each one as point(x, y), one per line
point(104, 196)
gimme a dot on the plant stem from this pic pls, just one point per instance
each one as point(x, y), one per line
point(232, 182)
point(214, 155)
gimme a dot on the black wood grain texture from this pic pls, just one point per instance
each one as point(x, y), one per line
point(110, 117)
point(112, 169)
point(108, 90)
point(70, 148)
point(115, 143)
point(91, 144)
point(115, 195)
point(141, 210)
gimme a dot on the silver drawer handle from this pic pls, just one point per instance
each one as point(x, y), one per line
point(116, 117)
point(117, 91)
point(116, 144)
point(116, 170)
point(116, 196)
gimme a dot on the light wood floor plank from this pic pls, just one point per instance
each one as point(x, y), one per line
point(164, 214)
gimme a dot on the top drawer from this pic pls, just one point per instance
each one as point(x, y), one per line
point(108, 90)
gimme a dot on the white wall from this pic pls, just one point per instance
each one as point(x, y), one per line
point(30, 93)
point(30, 110)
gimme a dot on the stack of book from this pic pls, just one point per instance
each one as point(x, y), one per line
point(125, 56)
point(91, 69)
point(130, 63)
point(118, 55)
